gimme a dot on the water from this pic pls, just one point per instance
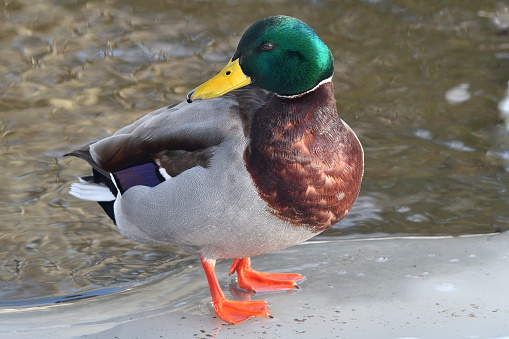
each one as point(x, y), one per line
point(72, 72)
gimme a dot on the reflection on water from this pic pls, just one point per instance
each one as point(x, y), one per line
point(75, 71)
point(58, 299)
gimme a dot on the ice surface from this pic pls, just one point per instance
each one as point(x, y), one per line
point(354, 288)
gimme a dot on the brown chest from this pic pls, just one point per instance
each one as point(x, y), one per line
point(305, 162)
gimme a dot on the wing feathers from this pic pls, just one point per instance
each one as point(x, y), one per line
point(145, 175)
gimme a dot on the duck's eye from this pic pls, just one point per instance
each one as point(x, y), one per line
point(267, 46)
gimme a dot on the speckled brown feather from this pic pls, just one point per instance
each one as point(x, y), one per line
point(306, 163)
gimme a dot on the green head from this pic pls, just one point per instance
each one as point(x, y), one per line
point(279, 53)
point(284, 55)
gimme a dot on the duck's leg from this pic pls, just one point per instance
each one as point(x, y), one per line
point(231, 311)
point(255, 281)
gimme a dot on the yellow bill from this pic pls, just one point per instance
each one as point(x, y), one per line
point(230, 78)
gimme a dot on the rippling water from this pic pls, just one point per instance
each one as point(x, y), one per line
point(418, 81)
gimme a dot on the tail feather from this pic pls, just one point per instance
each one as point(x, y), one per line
point(84, 153)
point(104, 187)
point(91, 191)
point(98, 187)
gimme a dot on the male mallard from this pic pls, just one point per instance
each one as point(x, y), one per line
point(257, 170)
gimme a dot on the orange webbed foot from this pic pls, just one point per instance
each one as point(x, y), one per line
point(231, 311)
point(234, 312)
point(255, 281)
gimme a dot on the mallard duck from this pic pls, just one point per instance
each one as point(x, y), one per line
point(236, 172)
